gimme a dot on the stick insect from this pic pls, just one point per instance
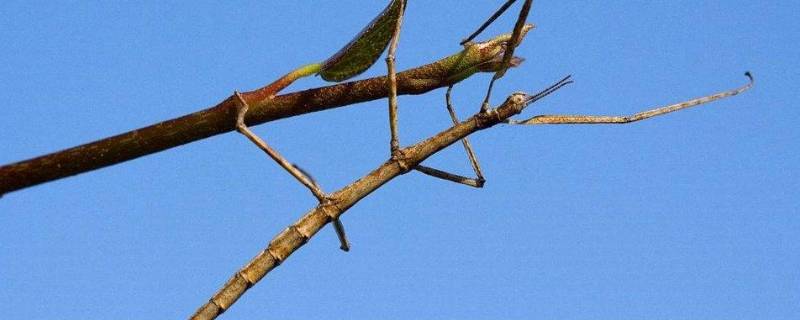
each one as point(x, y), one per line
point(508, 60)
point(353, 59)
point(495, 55)
point(356, 57)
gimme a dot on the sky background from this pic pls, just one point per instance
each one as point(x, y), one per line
point(693, 215)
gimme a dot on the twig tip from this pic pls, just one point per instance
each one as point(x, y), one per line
point(749, 76)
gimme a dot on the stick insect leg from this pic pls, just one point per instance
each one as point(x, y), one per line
point(337, 223)
point(476, 182)
point(339, 227)
point(444, 175)
point(509, 52)
point(485, 105)
point(285, 164)
point(479, 182)
point(488, 22)
point(473, 159)
point(394, 144)
point(590, 119)
point(293, 169)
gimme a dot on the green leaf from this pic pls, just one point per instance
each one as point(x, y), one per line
point(362, 52)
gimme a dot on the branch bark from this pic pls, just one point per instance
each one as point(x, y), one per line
point(210, 122)
point(297, 234)
point(401, 162)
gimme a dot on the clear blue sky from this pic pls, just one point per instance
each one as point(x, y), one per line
point(689, 216)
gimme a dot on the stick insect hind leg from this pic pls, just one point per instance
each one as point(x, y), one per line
point(476, 182)
point(516, 37)
point(304, 178)
point(394, 145)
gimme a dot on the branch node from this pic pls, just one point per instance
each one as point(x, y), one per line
point(278, 261)
point(487, 118)
point(400, 157)
point(241, 111)
point(302, 235)
point(330, 206)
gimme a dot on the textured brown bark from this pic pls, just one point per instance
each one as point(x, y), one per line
point(297, 234)
point(209, 122)
point(403, 161)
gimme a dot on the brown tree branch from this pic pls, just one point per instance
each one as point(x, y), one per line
point(296, 235)
point(404, 160)
point(213, 121)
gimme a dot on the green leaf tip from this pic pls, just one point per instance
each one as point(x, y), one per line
point(362, 52)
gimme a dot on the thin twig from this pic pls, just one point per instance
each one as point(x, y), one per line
point(590, 119)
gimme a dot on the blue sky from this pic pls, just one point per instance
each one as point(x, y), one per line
point(693, 215)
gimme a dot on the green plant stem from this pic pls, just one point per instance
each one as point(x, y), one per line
point(272, 89)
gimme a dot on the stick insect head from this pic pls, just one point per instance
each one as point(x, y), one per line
point(504, 38)
point(496, 48)
point(484, 56)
